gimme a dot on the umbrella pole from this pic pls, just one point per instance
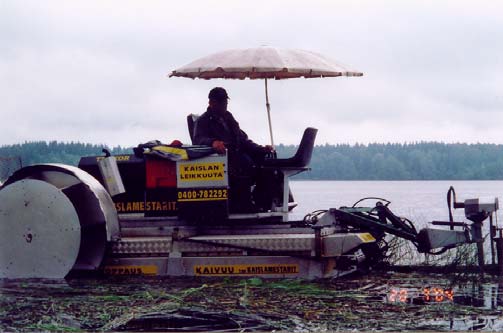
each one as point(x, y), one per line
point(268, 112)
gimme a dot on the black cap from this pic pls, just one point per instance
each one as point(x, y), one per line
point(218, 93)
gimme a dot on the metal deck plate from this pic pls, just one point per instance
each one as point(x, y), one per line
point(274, 242)
point(143, 245)
point(333, 245)
point(39, 231)
point(164, 245)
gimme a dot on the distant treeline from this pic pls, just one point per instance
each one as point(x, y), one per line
point(414, 161)
point(395, 161)
point(55, 152)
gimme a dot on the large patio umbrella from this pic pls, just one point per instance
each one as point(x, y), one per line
point(263, 63)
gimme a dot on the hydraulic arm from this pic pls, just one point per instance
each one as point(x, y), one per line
point(380, 220)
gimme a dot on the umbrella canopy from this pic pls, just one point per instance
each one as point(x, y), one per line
point(263, 63)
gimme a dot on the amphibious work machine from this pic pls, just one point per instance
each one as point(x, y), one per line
point(171, 210)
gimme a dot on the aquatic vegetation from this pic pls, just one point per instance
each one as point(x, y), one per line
point(376, 301)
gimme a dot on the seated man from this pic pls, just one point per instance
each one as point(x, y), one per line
point(218, 128)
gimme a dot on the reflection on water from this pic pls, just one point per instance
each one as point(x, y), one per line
point(487, 323)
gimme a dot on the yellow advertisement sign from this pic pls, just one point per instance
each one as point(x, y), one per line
point(201, 171)
point(131, 270)
point(228, 270)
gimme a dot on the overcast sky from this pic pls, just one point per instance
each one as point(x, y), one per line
point(96, 71)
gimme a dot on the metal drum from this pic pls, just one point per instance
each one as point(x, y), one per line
point(39, 231)
point(54, 218)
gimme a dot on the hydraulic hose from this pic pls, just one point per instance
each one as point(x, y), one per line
point(449, 204)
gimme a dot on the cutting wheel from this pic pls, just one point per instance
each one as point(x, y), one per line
point(40, 231)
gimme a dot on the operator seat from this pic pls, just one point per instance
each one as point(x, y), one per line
point(302, 157)
point(273, 189)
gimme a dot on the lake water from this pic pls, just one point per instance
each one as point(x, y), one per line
point(419, 201)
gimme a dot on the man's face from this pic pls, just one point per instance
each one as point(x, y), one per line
point(219, 106)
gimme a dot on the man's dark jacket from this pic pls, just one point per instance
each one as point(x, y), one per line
point(211, 126)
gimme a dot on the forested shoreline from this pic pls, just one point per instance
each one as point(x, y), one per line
point(392, 161)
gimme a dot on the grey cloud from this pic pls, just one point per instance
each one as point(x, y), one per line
point(96, 71)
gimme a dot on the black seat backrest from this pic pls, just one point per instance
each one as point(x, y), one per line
point(191, 121)
point(304, 153)
point(302, 157)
